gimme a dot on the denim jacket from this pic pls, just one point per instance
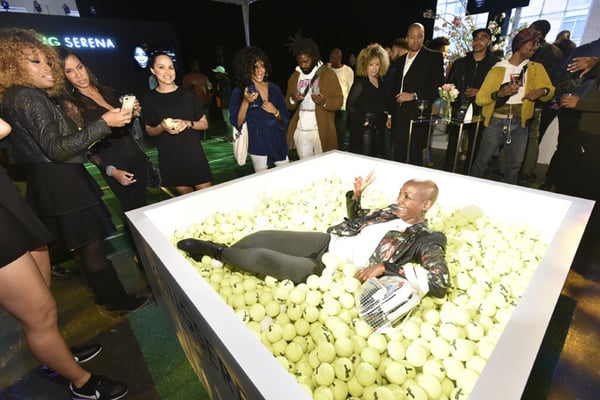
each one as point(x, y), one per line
point(416, 244)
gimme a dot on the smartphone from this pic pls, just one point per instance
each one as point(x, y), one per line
point(128, 102)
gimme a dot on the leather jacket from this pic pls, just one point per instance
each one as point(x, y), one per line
point(41, 130)
point(416, 244)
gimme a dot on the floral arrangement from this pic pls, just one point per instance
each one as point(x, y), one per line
point(448, 92)
point(459, 30)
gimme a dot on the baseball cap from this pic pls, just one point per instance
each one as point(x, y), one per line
point(220, 69)
point(524, 36)
point(486, 30)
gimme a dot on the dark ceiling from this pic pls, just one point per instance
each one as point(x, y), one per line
point(212, 32)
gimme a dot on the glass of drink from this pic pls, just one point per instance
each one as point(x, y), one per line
point(421, 105)
point(515, 79)
point(252, 90)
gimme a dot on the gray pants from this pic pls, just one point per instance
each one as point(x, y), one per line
point(280, 254)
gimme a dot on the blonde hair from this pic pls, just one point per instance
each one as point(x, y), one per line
point(13, 41)
point(374, 50)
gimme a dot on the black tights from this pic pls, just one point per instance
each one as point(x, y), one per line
point(92, 256)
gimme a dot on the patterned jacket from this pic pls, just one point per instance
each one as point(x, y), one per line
point(416, 244)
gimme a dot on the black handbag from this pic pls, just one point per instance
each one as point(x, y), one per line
point(153, 178)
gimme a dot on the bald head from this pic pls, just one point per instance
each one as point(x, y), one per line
point(427, 188)
point(335, 58)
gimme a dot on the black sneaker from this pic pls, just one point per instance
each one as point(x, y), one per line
point(99, 388)
point(59, 272)
point(85, 353)
point(81, 354)
point(129, 304)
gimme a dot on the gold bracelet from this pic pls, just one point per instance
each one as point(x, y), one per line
point(277, 114)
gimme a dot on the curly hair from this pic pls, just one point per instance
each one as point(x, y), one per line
point(370, 52)
point(13, 41)
point(299, 44)
point(244, 65)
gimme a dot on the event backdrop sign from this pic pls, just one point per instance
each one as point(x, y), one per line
point(114, 49)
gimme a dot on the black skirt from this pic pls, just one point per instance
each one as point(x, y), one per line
point(20, 229)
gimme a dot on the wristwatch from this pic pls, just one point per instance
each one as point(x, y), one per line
point(415, 97)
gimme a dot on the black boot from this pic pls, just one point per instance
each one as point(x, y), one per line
point(197, 248)
point(109, 291)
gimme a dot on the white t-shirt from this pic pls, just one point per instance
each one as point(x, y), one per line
point(357, 249)
point(345, 76)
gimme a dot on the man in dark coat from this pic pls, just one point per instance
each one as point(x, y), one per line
point(418, 75)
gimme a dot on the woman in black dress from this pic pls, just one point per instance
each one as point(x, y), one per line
point(366, 103)
point(52, 150)
point(25, 290)
point(119, 158)
point(175, 116)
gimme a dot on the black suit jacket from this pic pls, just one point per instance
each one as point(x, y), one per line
point(424, 77)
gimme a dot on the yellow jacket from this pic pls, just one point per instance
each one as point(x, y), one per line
point(536, 78)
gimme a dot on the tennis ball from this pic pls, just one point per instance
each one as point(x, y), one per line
point(344, 369)
point(378, 342)
point(346, 300)
point(312, 282)
point(411, 329)
point(324, 374)
point(355, 389)
point(453, 367)
point(272, 308)
point(273, 333)
point(428, 331)
point(294, 312)
point(313, 297)
point(450, 331)
point(396, 349)
point(311, 313)
point(414, 392)
point(279, 347)
point(476, 363)
point(257, 312)
point(343, 347)
point(474, 331)
point(462, 349)
point(361, 327)
point(340, 329)
point(323, 393)
point(431, 315)
point(351, 284)
point(371, 356)
point(395, 372)
point(243, 314)
point(250, 297)
point(434, 368)
point(467, 379)
point(416, 355)
point(331, 306)
point(297, 296)
point(302, 327)
point(325, 282)
point(430, 385)
point(326, 352)
point(288, 331)
point(365, 374)
point(293, 352)
point(339, 389)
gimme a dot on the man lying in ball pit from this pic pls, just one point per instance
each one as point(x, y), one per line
point(386, 241)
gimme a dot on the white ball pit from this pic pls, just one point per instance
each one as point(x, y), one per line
point(209, 330)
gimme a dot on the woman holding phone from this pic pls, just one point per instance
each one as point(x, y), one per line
point(119, 158)
point(48, 144)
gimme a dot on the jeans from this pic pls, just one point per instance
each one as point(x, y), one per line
point(493, 137)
